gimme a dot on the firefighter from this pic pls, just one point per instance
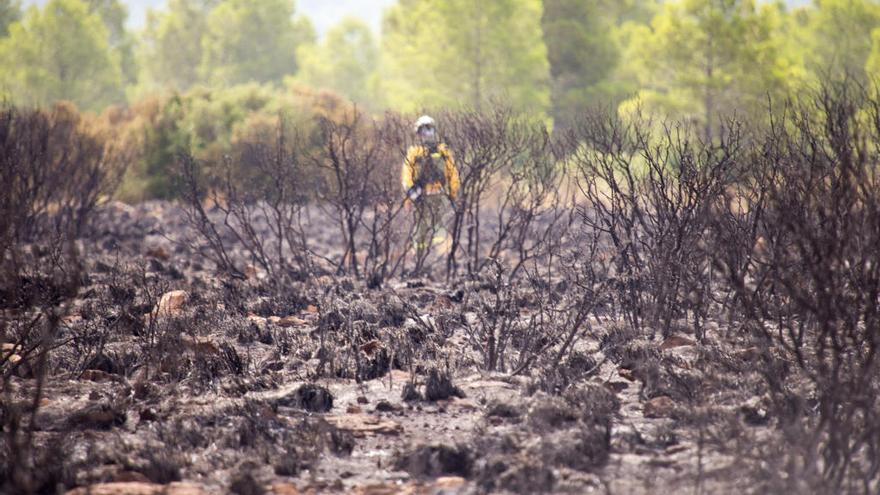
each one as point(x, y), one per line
point(430, 180)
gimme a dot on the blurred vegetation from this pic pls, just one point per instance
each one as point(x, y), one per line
point(198, 73)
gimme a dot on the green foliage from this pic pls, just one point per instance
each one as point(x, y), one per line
point(171, 46)
point(465, 52)
point(10, 11)
point(345, 62)
point(248, 41)
point(60, 52)
point(700, 60)
point(582, 54)
point(210, 123)
point(836, 37)
point(121, 42)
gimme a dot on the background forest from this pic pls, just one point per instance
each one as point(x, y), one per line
point(204, 73)
point(659, 273)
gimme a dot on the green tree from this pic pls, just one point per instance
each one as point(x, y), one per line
point(449, 53)
point(345, 61)
point(702, 59)
point(836, 37)
point(582, 54)
point(60, 52)
point(10, 11)
point(248, 41)
point(171, 45)
point(114, 14)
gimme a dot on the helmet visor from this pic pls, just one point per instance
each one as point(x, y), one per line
point(427, 131)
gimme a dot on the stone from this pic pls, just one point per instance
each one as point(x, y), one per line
point(290, 321)
point(283, 489)
point(171, 303)
point(385, 406)
point(97, 376)
point(748, 354)
point(159, 253)
point(617, 386)
point(626, 374)
point(256, 319)
point(449, 482)
point(362, 425)
point(674, 341)
point(370, 347)
point(200, 345)
point(139, 488)
point(659, 407)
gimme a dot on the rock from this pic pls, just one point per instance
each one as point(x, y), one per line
point(97, 417)
point(159, 253)
point(148, 414)
point(171, 303)
point(245, 484)
point(283, 489)
point(250, 271)
point(754, 413)
point(97, 376)
point(748, 354)
point(353, 409)
point(130, 476)
point(139, 488)
point(464, 404)
point(7, 352)
point(289, 321)
point(311, 309)
point(659, 407)
point(256, 319)
point(674, 341)
point(626, 374)
point(617, 387)
point(370, 347)
point(361, 425)
point(200, 345)
point(362, 400)
point(385, 406)
point(449, 482)
point(72, 319)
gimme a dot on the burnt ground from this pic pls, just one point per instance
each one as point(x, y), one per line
point(330, 386)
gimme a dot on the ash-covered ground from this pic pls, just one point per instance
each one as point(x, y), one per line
point(171, 378)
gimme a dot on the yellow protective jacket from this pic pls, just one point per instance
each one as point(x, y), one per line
point(411, 171)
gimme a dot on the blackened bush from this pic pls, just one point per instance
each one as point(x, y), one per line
point(53, 171)
point(806, 277)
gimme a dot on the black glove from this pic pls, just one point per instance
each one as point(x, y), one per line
point(414, 193)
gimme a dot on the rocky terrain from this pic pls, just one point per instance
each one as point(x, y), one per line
point(170, 378)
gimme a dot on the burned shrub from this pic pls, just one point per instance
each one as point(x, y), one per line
point(431, 461)
point(309, 397)
point(800, 259)
point(54, 171)
point(358, 172)
point(647, 197)
point(257, 209)
point(439, 386)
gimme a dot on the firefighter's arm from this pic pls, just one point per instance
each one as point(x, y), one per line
point(406, 172)
point(451, 172)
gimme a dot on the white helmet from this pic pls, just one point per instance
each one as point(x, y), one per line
point(424, 120)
